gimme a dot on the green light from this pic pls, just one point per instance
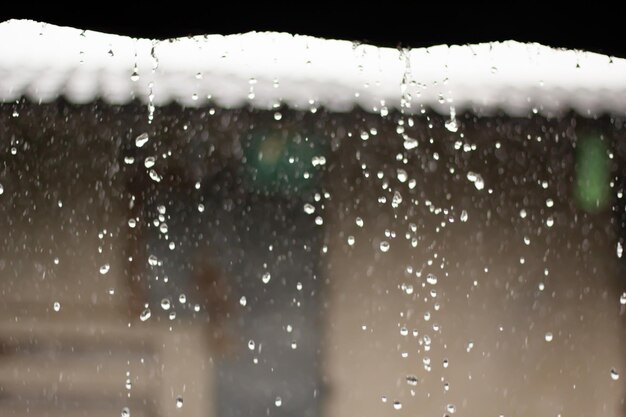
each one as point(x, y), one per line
point(592, 175)
point(281, 162)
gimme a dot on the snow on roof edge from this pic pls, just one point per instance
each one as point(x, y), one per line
point(266, 70)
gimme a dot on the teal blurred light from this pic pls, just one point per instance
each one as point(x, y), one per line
point(592, 189)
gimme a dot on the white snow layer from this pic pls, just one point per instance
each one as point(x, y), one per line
point(265, 70)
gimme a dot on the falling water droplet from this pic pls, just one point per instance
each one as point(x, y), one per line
point(464, 216)
point(251, 344)
point(384, 246)
point(619, 250)
point(614, 374)
point(1, 189)
point(451, 408)
point(179, 402)
point(431, 279)
point(309, 208)
point(622, 298)
point(359, 222)
point(549, 336)
point(104, 269)
point(149, 162)
point(278, 402)
point(56, 306)
point(397, 405)
point(182, 298)
point(125, 412)
point(141, 140)
point(165, 304)
point(152, 260)
point(145, 314)
point(266, 277)
point(411, 380)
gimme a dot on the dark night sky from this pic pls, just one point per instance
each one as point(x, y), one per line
point(592, 26)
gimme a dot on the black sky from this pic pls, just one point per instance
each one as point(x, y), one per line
point(589, 26)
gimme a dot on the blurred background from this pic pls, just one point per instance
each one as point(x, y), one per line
point(236, 262)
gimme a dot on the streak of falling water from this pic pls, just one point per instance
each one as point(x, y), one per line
point(155, 65)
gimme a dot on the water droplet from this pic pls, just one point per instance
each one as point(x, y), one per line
point(549, 336)
point(614, 374)
point(397, 405)
point(294, 345)
point(384, 246)
point(402, 175)
point(309, 208)
point(409, 143)
point(319, 221)
point(179, 402)
point(182, 298)
point(550, 221)
point(383, 399)
point(266, 277)
point(1, 189)
point(522, 213)
point(201, 207)
point(278, 402)
point(125, 412)
point(132, 223)
point(172, 315)
point(163, 228)
point(451, 124)
point(141, 140)
point(251, 344)
point(56, 306)
point(149, 162)
point(619, 250)
point(104, 269)
point(145, 314)
point(152, 260)
point(165, 304)
point(451, 408)
point(431, 279)
point(359, 222)
point(56, 261)
point(411, 380)
point(622, 298)
point(243, 301)
point(464, 216)
point(404, 331)
point(397, 199)
point(477, 179)
point(129, 384)
point(549, 202)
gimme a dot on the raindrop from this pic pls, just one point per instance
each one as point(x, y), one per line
point(56, 306)
point(619, 250)
point(200, 207)
point(266, 277)
point(464, 216)
point(402, 175)
point(309, 208)
point(149, 162)
point(141, 140)
point(319, 221)
point(1, 189)
point(476, 179)
point(522, 213)
point(152, 260)
point(128, 384)
point(251, 344)
point(132, 223)
point(163, 228)
point(622, 298)
point(451, 408)
point(182, 298)
point(384, 246)
point(359, 222)
point(397, 405)
point(431, 279)
point(411, 380)
point(278, 401)
point(549, 336)
point(145, 314)
point(549, 221)
point(179, 402)
point(243, 301)
point(125, 412)
point(614, 374)
point(294, 345)
point(165, 304)
point(104, 269)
